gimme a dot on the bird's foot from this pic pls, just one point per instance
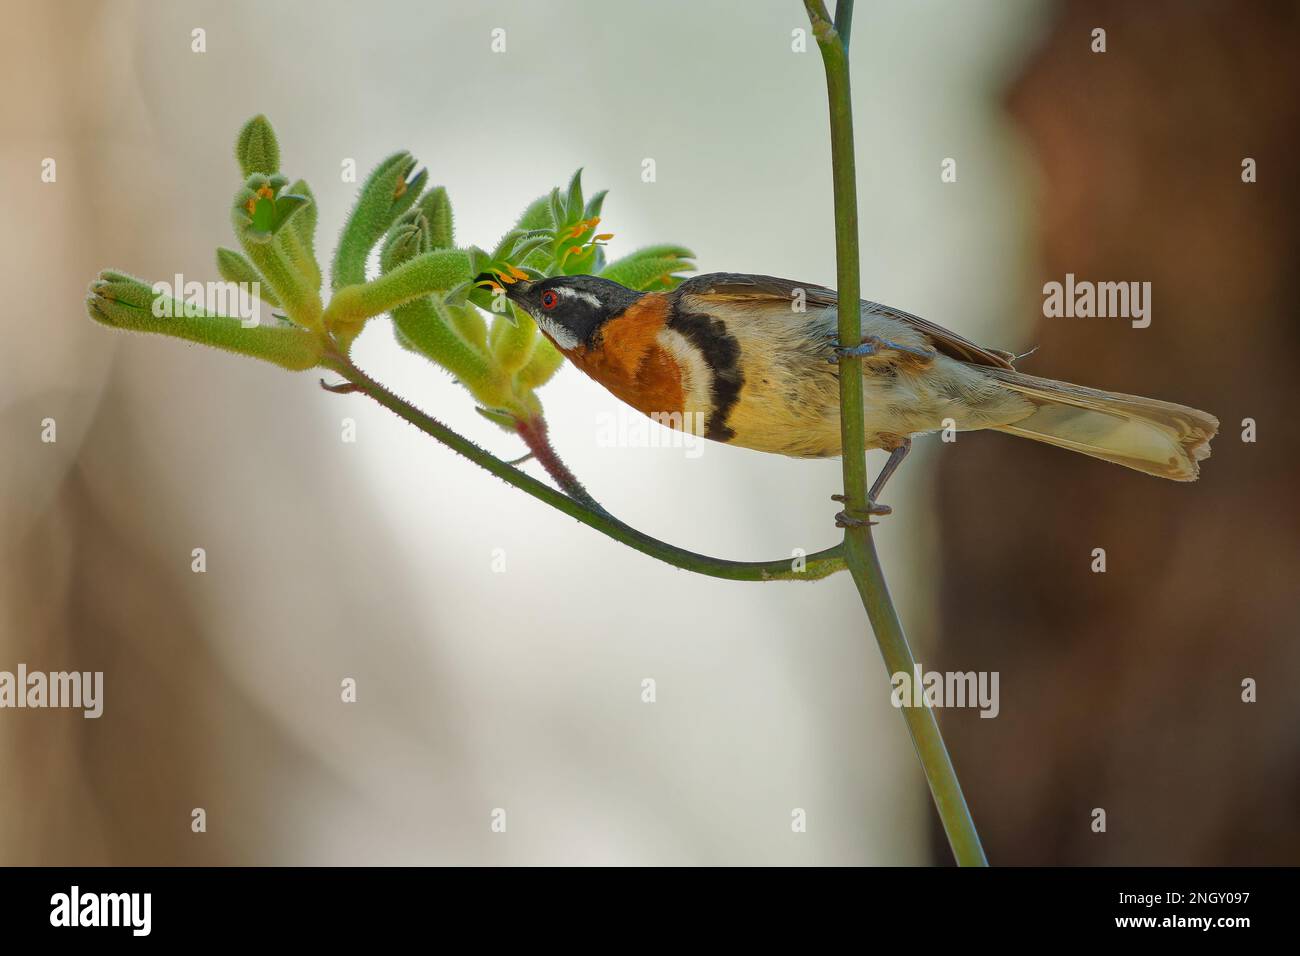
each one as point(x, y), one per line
point(845, 520)
point(874, 345)
point(871, 345)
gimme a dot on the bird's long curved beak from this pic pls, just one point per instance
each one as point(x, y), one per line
point(515, 290)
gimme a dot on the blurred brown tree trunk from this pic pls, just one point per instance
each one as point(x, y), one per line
point(1123, 690)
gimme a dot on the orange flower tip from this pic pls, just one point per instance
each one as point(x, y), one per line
point(251, 205)
point(401, 187)
point(265, 192)
point(605, 237)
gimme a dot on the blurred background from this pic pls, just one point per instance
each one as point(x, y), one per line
point(381, 560)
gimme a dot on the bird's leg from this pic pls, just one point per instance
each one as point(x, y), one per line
point(898, 449)
point(874, 345)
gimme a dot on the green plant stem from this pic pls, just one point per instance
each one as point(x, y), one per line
point(815, 566)
point(844, 23)
point(859, 548)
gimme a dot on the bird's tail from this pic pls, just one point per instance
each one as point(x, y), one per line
point(1158, 438)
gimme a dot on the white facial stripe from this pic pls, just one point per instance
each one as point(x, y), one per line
point(558, 333)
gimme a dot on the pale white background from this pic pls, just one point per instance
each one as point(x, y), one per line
point(373, 560)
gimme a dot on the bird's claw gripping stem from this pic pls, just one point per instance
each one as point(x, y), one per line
point(874, 345)
point(845, 520)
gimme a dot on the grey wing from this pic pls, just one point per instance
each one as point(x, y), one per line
point(948, 342)
point(734, 286)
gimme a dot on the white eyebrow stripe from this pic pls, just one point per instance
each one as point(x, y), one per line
point(586, 297)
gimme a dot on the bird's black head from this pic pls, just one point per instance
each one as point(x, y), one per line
point(571, 309)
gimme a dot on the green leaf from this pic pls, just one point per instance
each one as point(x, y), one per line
point(504, 419)
point(594, 205)
point(526, 244)
point(263, 217)
point(573, 201)
point(256, 149)
point(271, 215)
point(538, 215)
point(501, 255)
point(559, 212)
point(479, 261)
point(481, 299)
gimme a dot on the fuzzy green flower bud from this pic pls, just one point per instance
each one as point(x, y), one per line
point(262, 215)
point(544, 363)
point(234, 267)
point(124, 302)
point(429, 272)
point(408, 238)
point(512, 340)
point(653, 268)
point(388, 192)
point(436, 207)
point(304, 223)
point(256, 149)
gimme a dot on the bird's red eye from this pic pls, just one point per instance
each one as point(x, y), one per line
point(550, 299)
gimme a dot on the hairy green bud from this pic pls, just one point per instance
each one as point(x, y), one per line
point(388, 192)
point(125, 302)
point(256, 148)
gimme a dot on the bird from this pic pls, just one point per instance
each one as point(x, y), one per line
point(752, 361)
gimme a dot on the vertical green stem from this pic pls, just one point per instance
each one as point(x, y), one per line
point(859, 548)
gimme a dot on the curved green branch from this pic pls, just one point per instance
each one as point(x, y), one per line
point(814, 566)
